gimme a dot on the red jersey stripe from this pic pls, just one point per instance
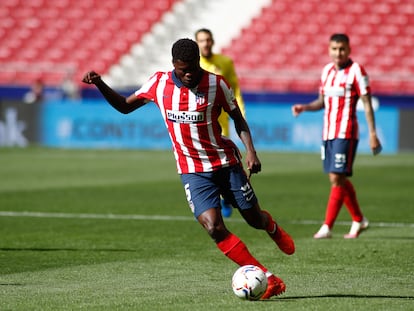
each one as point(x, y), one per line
point(341, 90)
point(191, 117)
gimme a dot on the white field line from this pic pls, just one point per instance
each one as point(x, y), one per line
point(174, 218)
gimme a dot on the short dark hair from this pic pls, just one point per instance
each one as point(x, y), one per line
point(339, 37)
point(207, 31)
point(185, 50)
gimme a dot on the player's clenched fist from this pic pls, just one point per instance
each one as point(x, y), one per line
point(91, 77)
point(297, 109)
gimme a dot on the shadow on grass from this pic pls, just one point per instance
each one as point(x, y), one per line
point(42, 249)
point(391, 238)
point(345, 296)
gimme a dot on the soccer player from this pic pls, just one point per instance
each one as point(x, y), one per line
point(221, 65)
point(343, 82)
point(190, 100)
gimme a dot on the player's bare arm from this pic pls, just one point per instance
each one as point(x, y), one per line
point(374, 141)
point(121, 103)
point(315, 105)
point(252, 161)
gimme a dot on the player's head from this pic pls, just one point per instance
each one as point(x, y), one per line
point(205, 41)
point(186, 61)
point(339, 49)
point(339, 37)
point(185, 50)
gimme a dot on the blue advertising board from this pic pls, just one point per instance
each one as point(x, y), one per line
point(95, 124)
point(274, 128)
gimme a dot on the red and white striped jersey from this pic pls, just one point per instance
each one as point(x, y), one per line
point(190, 116)
point(341, 90)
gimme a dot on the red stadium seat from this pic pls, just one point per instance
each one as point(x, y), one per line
point(297, 35)
point(277, 85)
point(253, 84)
point(288, 37)
point(7, 77)
point(69, 33)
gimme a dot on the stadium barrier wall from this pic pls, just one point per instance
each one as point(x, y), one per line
point(19, 124)
point(94, 124)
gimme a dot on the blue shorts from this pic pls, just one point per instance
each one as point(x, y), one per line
point(338, 155)
point(203, 190)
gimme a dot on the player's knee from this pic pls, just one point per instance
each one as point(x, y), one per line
point(337, 179)
point(213, 224)
point(255, 218)
point(217, 231)
point(256, 223)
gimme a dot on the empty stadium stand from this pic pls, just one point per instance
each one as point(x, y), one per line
point(48, 38)
point(282, 50)
point(285, 48)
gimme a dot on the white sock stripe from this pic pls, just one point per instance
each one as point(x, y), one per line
point(274, 229)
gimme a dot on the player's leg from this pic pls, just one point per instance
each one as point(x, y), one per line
point(236, 250)
point(227, 242)
point(359, 222)
point(351, 202)
point(203, 196)
point(240, 193)
point(334, 158)
point(261, 219)
point(335, 201)
point(226, 208)
point(350, 199)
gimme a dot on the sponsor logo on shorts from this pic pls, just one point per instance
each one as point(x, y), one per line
point(340, 160)
point(247, 192)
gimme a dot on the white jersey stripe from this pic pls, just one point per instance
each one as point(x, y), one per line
point(191, 117)
point(346, 107)
point(341, 89)
point(202, 155)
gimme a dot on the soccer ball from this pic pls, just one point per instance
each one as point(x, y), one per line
point(249, 282)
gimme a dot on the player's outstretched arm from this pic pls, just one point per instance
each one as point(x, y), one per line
point(315, 105)
point(121, 103)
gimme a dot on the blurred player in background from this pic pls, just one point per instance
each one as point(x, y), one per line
point(69, 88)
point(343, 82)
point(36, 93)
point(190, 100)
point(221, 65)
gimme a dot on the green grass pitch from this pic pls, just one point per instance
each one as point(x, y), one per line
point(111, 230)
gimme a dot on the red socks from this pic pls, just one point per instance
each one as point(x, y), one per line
point(271, 225)
point(237, 251)
point(336, 199)
point(351, 202)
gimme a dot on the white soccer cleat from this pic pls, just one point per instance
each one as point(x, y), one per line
point(357, 228)
point(323, 233)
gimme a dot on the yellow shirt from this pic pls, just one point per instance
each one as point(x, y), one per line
point(223, 65)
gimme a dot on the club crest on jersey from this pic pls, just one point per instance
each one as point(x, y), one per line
point(200, 98)
point(185, 116)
